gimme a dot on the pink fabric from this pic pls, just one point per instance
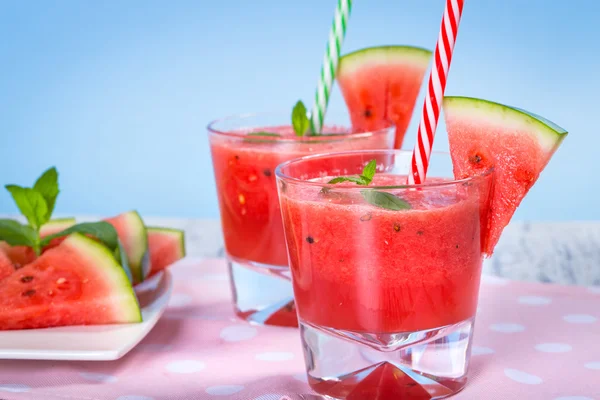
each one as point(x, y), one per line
point(532, 341)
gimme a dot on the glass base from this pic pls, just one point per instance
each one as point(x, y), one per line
point(262, 293)
point(429, 364)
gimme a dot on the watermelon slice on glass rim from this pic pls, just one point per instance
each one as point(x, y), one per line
point(516, 143)
point(381, 84)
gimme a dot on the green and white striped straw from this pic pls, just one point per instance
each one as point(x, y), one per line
point(330, 63)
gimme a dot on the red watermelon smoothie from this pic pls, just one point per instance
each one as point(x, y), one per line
point(385, 276)
point(245, 151)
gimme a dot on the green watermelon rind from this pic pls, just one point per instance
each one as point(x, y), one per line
point(140, 261)
point(384, 55)
point(136, 241)
point(56, 225)
point(548, 134)
point(177, 233)
point(116, 278)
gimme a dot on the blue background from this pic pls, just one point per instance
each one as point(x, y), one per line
point(117, 94)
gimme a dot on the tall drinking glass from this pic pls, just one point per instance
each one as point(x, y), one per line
point(385, 276)
point(245, 151)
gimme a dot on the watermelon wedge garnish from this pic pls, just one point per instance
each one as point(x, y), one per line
point(166, 246)
point(132, 234)
point(517, 143)
point(381, 84)
point(78, 282)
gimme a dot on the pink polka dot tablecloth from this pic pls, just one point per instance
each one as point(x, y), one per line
point(532, 341)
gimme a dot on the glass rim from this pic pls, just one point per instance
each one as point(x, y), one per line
point(286, 178)
point(213, 130)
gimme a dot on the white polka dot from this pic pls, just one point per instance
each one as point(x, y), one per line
point(215, 277)
point(238, 333)
point(522, 377)
point(593, 365)
point(535, 300)
point(153, 347)
point(301, 377)
point(494, 280)
point(185, 366)
point(271, 396)
point(133, 397)
point(580, 319)
point(573, 398)
point(553, 347)
point(275, 356)
point(14, 388)
point(180, 300)
point(594, 289)
point(479, 351)
point(224, 390)
point(90, 376)
point(507, 328)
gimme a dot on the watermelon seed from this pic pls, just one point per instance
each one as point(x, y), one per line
point(267, 172)
point(457, 246)
point(368, 113)
point(28, 293)
point(310, 239)
point(397, 227)
point(60, 281)
point(341, 260)
point(475, 159)
point(420, 233)
point(27, 278)
point(366, 217)
point(241, 199)
point(237, 157)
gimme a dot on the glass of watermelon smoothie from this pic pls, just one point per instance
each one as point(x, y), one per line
point(245, 151)
point(385, 276)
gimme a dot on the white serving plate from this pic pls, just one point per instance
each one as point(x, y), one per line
point(95, 343)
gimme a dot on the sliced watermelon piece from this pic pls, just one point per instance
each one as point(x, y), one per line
point(6, 265)
point(132, 233)
point(23, 255)
point(78, 282)
point(56, 225)
point(517, 143)
point(166, 246)
point(381, 84)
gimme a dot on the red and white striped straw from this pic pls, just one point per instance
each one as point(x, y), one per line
point(435, 92)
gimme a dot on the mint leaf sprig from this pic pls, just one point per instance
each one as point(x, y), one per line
point(374, 197)
point(300, 121)
point(36, 204)
point(363, 179)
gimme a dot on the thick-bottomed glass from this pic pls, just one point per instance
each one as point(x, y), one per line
point(385, 276)
point(244, 168)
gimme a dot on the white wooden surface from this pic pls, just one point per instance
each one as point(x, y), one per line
point(559, 252)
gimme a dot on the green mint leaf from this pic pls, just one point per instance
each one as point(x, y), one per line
point(385, 200)
point(31, 204)
point(264, 134)
point(369, 171)
point(356, 179)
point(101, 230)
point(47, 186)
point(300, 121)
point(16, 234)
